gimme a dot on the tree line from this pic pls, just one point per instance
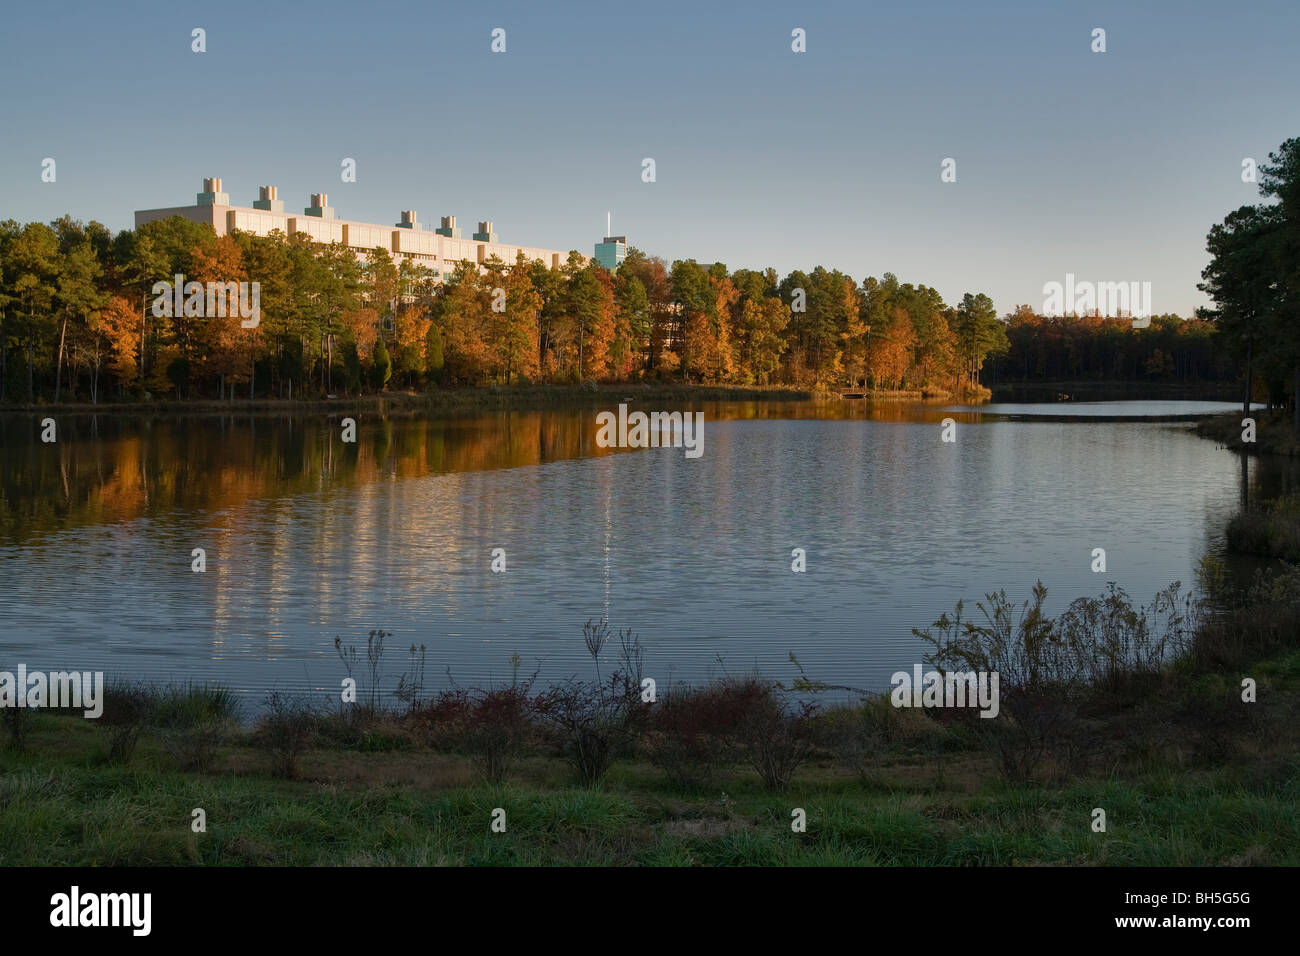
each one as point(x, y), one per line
point(1094, 347)
point(76, 324)
point(77, 321)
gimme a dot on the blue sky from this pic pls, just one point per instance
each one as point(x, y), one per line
point(1109, 165)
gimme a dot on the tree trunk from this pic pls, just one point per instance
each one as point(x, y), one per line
point(144, 301)
point(1245, 481)
point(1245, 401)
point(58, 374)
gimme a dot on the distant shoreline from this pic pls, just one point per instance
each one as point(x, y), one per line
point(591, 394)
point(464, 399)
point(1091, 390)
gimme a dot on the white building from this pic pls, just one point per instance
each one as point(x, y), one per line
point(439, 249)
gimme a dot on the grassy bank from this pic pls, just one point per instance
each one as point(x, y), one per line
point(1272, 530)
point(453, 400)
point(63, 805)
point(1273, 433)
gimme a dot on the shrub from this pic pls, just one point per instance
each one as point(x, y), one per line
point(772, 732)
point(338, 728)
point(688, 735)
point(127, 711)
point(1119, 648)
point(1254, 623)
point(858, 736)
point(1037, 726)
point(491, 725)
point(591, 719)
point(1048, 668)
point(595, 721)
point(442, 720)
point(194, 747)
point(1272, 530)
point(1035, 671)
point(18, 721)
point(285, 731)
point(194, 721)
point(500, 722)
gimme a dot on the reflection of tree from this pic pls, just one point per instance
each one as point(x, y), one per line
point(114, 469)
point(215, 465)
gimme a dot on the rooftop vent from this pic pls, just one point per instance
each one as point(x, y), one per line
point(212, 194)
point(319, 207)
point(268, 198)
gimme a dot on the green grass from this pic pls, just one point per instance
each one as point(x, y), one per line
point(62, 803)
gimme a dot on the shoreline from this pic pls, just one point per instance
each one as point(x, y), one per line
point(466, 399)
point(1273, 434)
point(593, 394)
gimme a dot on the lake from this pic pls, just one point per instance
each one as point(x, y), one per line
point(307, 537)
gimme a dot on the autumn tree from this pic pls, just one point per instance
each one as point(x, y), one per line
point(515, 332)
point(217, 345)
point(890, 356)
point(461, 314)
point(411, 342)
point(119, 322)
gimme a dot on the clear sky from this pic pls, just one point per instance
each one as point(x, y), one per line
point(1109, 165)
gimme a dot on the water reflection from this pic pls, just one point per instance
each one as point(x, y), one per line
point(308, 536)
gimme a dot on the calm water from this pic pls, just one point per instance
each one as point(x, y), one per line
point(1121, 410)
point(308, 538)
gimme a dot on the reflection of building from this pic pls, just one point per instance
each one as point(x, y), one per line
point(612, 252)
point(438, 249)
